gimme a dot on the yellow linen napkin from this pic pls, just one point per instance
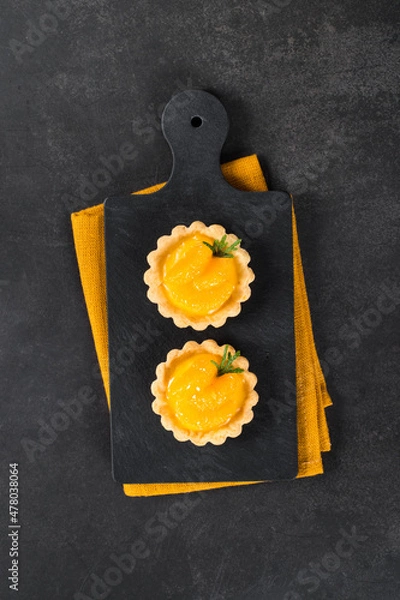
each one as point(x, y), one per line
point(312, 396)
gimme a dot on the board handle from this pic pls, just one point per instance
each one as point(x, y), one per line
point(195, 125)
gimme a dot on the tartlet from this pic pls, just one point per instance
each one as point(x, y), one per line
point(204, 393)
point(198, 275)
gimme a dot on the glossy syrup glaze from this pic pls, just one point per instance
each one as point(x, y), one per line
point(199, 398)
point(196, 281)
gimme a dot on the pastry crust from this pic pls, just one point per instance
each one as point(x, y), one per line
point(156, 293)
point(161, 407)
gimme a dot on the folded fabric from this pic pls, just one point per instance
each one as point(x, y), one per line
point(312, 396)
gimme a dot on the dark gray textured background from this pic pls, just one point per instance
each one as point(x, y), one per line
point(312, 87)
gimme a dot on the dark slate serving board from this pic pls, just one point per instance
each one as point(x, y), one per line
point(195, 125)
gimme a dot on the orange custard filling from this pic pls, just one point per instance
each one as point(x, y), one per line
point(196, 281)
point(199, 399)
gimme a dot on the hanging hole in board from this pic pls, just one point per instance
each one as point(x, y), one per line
point(196, 121)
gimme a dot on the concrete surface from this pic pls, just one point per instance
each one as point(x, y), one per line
point(312, 87)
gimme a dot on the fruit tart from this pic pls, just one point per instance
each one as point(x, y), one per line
point(199, 275)
point(204, 393)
